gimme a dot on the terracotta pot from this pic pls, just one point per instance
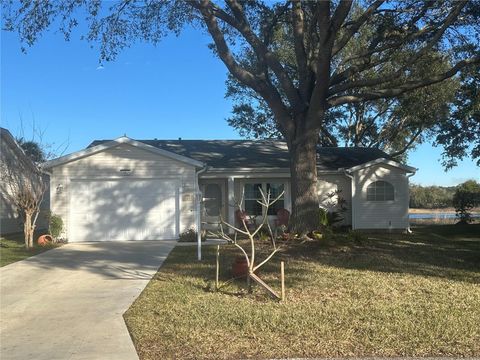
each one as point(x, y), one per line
point(44, 240)
point(240, 267)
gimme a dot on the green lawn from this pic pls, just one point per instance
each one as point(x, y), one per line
point(12, 249)
point(391, 295)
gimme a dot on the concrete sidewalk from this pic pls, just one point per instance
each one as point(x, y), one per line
point(68, 303)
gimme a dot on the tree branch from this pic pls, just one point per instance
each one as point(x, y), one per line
point(339, 16)
point(264, 54)
point(300, 53)
point(340, 44)
point(262, 86)
point(409, 144)
point(407, 86)
point(428, 46)
point(223, 50)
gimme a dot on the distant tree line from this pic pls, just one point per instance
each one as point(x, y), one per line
point(431, 197)
point(440, 197)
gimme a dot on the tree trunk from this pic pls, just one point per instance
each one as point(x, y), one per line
point(28, 230)
point(303, 169)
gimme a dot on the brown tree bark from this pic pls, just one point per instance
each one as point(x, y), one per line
point(28, 230)
point(303, 170)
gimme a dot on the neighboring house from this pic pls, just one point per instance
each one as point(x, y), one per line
point(133, 190)
point(12, 154)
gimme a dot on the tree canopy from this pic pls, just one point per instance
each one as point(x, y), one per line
point(395, 124)
point(466, 197)
point(33, 150)
point(459, 134)
point(431, 197)
point(300, 63)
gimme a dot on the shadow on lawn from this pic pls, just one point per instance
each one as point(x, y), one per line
point(447, 251)
point(450, 252)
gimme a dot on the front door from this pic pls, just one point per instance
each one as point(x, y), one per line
point(213, 204)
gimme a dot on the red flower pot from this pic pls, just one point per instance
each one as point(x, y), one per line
point(44, 240)
point(240, 267)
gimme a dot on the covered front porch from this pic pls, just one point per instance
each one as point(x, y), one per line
point(222, 196)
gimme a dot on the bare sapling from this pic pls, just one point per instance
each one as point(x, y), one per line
point(251, 234)
point(24, 186)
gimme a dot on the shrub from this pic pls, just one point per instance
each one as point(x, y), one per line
point(189, 236)
point(263, 236)
point(466, 197)
point(55, 225)
point(332, 210)
point(324, 233)
point(329, 218)
point(317, 234)
point(323, 217)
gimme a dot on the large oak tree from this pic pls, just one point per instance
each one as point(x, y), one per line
point(300, 91)
point(395, 125)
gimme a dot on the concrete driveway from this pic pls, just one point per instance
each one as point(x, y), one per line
point(68, 303)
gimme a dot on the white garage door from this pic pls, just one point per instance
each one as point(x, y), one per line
point(125, 209)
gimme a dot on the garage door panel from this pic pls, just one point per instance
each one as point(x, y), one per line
point(123, 209)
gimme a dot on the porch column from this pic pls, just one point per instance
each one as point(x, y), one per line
point(231, 201)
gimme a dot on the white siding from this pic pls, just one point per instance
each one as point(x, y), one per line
point(381, 214)
point(107, 165)
point(10, 221)
point(328, 183)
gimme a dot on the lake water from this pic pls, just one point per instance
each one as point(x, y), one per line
point(437, 216)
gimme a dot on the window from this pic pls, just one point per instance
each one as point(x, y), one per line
point(252, 195)
point(380, 191)
point(275, 190)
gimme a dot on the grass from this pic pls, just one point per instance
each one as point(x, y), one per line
point(387, 295)
point(12, 249)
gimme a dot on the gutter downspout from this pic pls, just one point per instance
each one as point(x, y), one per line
point(198, 216)
point(409, 231)
point(352, 184)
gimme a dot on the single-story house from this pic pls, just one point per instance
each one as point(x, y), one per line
point(14, 163)
point(125, 189)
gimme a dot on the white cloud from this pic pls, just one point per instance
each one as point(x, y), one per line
point(100, 67)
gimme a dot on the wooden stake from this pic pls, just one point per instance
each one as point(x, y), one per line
point(264, 285)
point(282, 277)
point(217, 268)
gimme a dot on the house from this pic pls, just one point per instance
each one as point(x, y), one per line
point(125, 189)
point(13, 157)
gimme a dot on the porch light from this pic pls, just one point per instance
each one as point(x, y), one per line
point(59, 189)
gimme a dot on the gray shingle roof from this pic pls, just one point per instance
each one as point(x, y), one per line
point(259, 153)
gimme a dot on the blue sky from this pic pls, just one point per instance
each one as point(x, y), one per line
point(173, 90)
